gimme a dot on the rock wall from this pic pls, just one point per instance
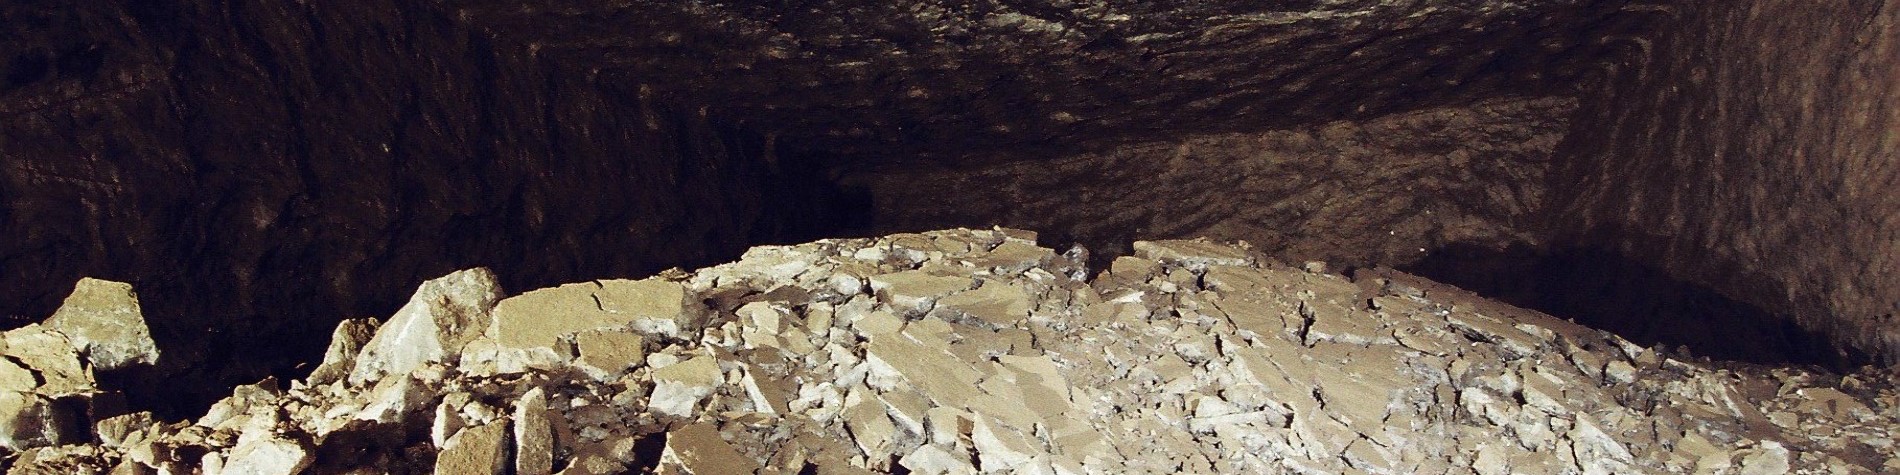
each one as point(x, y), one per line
point(1383, 191)
point(261, 170)
point(896, 81)
point(1753, 147)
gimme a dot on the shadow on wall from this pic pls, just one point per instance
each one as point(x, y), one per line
point(1604, 290)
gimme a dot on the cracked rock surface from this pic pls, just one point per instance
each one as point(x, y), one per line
point(977, 351)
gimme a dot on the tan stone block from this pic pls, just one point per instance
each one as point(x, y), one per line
point(268, 456)
point(1199, 254)
point(103, 320)
point(769, 394)
point(871, 428)
point(914, 291)
point(52, 357)
point(654, 306)
point(534, 434)
point(1012, 257)
point(995, 303)
point(1002, 448)
point(113, 431)
point(877, 323)
point(610, 352)
point(678, 388)
point(539, 318)
point(346, 341)
point(699, 450)
point(948, 426)
point(933, 372)
point(933, 460)
point(907, 408)
point(475, 450)
point(14, 377)
point(1831, 403)
point(30, 420)
point(443, 315)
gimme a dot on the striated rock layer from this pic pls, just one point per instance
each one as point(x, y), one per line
point(1753, 147)
point(976, 351)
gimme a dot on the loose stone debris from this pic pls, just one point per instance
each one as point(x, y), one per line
point(955, 352)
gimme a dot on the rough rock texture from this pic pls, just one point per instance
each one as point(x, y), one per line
point(1187, 357)
point(883, 80)
point(264, 168)
point(1383, 191)
point(1752, 147)
point(49, 391)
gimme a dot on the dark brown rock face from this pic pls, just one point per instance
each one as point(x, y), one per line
point(1383, 191)
point(944, 78)
point(263, 169)
point(1754, 147)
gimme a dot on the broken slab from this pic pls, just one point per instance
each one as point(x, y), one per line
point(104, 321)
point(475, 450)
point(539, 318)
point(1165, 365)
point(678, 388)
point(1195, 254)
point(653, 306)
point(534, 434)
point(916, 291)
point(268, 456)
point(445, 314)
point(346, 342)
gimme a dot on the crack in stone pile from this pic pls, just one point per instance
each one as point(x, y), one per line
point(977, 351)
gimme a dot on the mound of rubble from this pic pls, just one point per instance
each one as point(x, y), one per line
point(959, 351)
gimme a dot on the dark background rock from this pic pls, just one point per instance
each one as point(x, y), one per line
point(1753, 148)
point(262, 170)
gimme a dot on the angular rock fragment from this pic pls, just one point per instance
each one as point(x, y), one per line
point(976, 354)
point(475, 450)
point(267, 456)
point(1193, 254)
point(608, 353)
point(678, 388)
point(534, 435)
point(346, 342)
point(104, 321)
point(653, 306)
point(916, 291)
point(444, 315)
point(31, 420)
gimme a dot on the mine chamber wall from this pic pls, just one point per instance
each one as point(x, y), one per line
point(260, 171)
point(1752, 149)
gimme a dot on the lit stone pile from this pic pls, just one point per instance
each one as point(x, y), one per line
point(968, 351)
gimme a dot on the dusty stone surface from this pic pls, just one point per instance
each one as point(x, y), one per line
point(1189, 356)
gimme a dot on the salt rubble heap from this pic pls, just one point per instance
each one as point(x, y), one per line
point(967, 351)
